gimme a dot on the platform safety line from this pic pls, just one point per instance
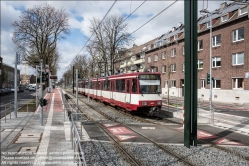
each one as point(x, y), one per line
point(43, 148)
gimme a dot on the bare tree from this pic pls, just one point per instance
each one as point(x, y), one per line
point(38, 31)
point(110, 36)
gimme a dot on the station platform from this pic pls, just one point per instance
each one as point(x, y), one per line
point(24, 141)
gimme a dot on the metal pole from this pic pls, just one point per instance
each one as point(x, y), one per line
point(41, 109)
point(36, 87)
point(89, 86)
point(211, 84)
point(73, 79)
point(15, 85)
point(76, 94)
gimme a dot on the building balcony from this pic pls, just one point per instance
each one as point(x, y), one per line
point(123, 65)
point(139, 61)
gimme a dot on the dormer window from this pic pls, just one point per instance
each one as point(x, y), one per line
point(243, 10)
point(224, 18)
point(175, 37)
point(208, 24)
point(167, 40)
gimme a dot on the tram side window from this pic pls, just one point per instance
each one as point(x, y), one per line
point(134, 85)
point(122, 85)
point(117, 85)
point(107, 85)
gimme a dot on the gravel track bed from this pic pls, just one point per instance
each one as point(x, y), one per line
point(207, 155)
point(114, 114)
point(150, 155)
point(102, 153)
point(244, 151)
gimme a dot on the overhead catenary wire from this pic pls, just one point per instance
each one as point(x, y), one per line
point(154, 16)
point(134, 11)
point(97, 28)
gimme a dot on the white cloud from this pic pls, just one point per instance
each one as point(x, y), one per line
point(11, 10)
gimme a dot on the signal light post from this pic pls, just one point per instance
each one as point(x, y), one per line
point(41, 110)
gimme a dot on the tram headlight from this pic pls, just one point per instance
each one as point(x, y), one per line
point(159, 103)
point(144, 103)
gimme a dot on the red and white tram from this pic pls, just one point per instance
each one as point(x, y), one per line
point(138, 91)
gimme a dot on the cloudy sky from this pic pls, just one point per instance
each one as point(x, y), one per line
point(82, 11)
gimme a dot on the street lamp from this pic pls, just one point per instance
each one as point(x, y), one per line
point(210, 78)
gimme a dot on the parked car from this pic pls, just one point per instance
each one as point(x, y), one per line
point(13, 89)
point(4, 91)
point(31, 88)
point(21, 88)
point(26, 88)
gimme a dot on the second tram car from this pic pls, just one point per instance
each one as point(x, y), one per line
point(138, 91)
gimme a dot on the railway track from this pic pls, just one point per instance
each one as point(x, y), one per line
point(222, 148)
point(127, 153)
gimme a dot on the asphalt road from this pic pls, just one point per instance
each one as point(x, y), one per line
point(23, 98)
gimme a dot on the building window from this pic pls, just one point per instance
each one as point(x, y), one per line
point(202, 83)
point(238, 83)
point(173, 67)
point(155, 69)
point(216, 83)
point(142, 56)
point(175, 37)
point(238, 34)
point(183, 66)
point(166, 84)
point(173, 83)
point(208, 24)
point(164, 69)
point(224, 18)
point(173, 52)
point(164, 55)
point(167, 40)
point(200, 64)
point(243, 10)
point(216, 61)
point(149, 59)
point(238, 58)
point(183, 50)
point(200, 45)
point(155, 57)
point(216, 40)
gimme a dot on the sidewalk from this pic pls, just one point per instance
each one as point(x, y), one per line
point(25, 142)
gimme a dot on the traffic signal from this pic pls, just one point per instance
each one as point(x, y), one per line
point(43, 102)
point(208, 78)
point(44, 76)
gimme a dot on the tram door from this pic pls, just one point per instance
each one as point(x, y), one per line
point(111, 90)
point(128, 93)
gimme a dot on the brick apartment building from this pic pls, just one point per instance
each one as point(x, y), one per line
point(230, 56)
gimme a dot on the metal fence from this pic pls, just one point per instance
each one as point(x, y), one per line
point(69, 114)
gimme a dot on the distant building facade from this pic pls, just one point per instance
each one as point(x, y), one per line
point(230, 56)
point(8, 73)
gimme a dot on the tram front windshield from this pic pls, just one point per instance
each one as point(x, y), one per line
point(149, 83)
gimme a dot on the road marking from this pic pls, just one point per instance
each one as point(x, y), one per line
point(125, 137)
point(205, 135)
point(119, 130)
point(225, 141)
point(110, 125)
point(151, 128)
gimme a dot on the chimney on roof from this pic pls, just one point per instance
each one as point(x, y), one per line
point(223, 5)
point(173, 29)
point(134, 45)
